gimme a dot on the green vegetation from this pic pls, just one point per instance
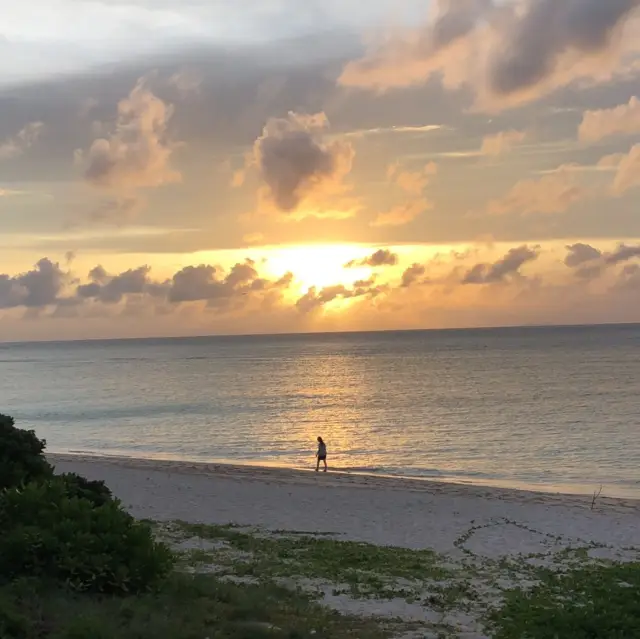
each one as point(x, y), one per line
point(21, 456)
point(367, 570)
point(589, 603)
point(50, 534)
point(185, 607)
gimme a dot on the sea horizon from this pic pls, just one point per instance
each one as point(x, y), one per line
point(456, 329)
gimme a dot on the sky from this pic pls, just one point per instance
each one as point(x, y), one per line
point(200, 167)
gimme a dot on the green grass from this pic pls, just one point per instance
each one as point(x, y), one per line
point(186, 607)
point(598, 602)
point(368, 570)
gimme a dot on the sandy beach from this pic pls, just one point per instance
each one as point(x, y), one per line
point(385, 511)
point(480, 542)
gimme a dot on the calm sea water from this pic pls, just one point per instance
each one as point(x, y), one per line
point(548, 408)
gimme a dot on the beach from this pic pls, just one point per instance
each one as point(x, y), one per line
point(386, 511)
point(491, 538)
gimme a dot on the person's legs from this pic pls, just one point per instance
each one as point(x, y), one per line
point(325, 464)
point(318, 464)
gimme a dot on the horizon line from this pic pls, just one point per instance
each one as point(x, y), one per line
point(322, 333)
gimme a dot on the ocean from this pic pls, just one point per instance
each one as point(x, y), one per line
point(553, 409)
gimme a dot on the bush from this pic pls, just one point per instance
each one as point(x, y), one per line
point(94, 491)
point(589, 603)
point(51, 532)
point(21, 456)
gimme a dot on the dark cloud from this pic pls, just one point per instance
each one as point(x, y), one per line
point(206, 283)
point(590, 262)
point(112, 289)
point(506, 52)
point(34, 289)
point(580, 253)
point(548, 29)
point(382, 257)
point(629, 279)
point(455, 19)
point(623, 253)
point(296, 161)
point(413, 274)
point(510, 264)
point(315, 299)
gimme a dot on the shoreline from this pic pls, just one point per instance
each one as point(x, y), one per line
point(357, 478)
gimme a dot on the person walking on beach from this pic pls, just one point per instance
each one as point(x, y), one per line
point(321, 455)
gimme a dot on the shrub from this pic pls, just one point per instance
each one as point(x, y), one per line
point(21, 456)
point(94, 491)
point(51, 533)
point(588, 603)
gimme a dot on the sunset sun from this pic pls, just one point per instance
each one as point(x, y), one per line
point(320, 265)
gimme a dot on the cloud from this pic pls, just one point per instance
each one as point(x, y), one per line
point(580, 253)
point(111, 289)
point(206, 283)
point(508, 53)
point(222, 290)
point(402, 214)
point(629, 279)
point(552, 193)
point(187, 83)
point(22, 141)
point(623, 253)
point(34, 289)
point(137, 154)
point(413, 182)
point(550, 37)
point(394, 130)
point(620, 120)
point(505, 267)
point(413, 274)
point(253, 238)
point(590, 263)
point(298, 163)
point(502, 143)
point(315, 299)
point(382, 257)
point(11, 193)
point(627, 168)
point(405, 59)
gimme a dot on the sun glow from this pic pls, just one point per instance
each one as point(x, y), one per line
point(320, 265)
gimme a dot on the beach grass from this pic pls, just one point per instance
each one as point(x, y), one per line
point(185, 607)
point(582, 603)
point(358, 569)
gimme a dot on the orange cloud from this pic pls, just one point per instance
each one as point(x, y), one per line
point(402, 213)
point(502, 143)
point(508, 53)
point(413, 182)
point(552, 193)
point(627, 168)
point(620, 120)
point(137, 154)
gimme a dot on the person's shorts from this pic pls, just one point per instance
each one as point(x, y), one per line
point(322, 458)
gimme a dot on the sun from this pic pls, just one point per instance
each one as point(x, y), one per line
point(319, 265)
